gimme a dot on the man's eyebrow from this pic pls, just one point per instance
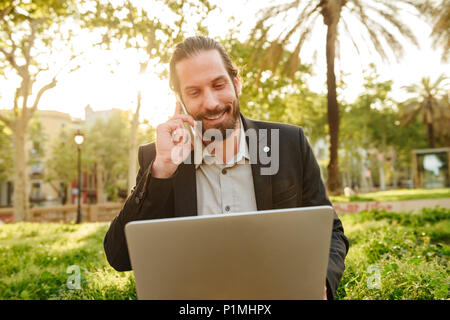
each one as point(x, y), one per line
point(222, 77)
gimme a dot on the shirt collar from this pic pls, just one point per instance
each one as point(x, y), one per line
point(242, 149)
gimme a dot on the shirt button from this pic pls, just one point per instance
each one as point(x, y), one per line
point(224, 171)
point(227, 208)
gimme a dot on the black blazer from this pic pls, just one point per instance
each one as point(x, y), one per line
point(296, 184)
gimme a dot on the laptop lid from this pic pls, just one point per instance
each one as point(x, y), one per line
point(261, 255)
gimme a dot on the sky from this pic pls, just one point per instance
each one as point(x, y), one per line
point(104, 84)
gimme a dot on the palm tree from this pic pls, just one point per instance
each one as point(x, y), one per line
point(439, 15)
point(375, 21)
point(431, 102)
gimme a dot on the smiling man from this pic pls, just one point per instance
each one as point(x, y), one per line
point(232, 175)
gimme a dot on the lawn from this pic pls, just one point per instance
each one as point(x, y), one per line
point(396, 195)
point(392, 256)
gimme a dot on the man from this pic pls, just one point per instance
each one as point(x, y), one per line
point(231, 176)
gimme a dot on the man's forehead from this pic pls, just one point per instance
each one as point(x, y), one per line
point(204, 66)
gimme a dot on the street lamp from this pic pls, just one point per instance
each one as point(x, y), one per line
point(79, 139)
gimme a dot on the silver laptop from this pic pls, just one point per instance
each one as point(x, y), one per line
point(260, 255)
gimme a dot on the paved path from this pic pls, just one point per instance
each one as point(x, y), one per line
point(396, 206)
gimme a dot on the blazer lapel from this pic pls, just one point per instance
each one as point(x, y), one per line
point(185, 190)
point(185, 186)
point(262, 183)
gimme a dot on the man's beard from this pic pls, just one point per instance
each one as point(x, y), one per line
point(225, 128)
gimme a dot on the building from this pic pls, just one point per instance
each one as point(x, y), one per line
point(42, 192)
point(91, 116)
point(52, 123)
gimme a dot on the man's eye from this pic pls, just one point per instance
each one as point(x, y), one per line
point(219, 85)
point(193, 93)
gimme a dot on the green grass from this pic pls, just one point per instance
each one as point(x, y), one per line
point(396, 195)
point(35, 259)
point(407, 252)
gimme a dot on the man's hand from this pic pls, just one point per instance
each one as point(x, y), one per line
point(173, 144)
point(325, 293)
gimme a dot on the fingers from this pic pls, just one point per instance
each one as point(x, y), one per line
point(175, 123)
point(184, 118)
point(179, 112)
point(176, 129)
point(181, 135)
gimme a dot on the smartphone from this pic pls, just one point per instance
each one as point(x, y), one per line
point(187, 125)
point(195, 139)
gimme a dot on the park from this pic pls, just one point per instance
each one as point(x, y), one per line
point(84, 84)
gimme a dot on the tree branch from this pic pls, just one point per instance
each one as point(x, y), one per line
point(29, 44)
point(6, 11)
point(12, 61)
point(48, 86)
point(9, 33)
point(10, 55)
point(16, 101)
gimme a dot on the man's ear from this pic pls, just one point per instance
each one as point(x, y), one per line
point(237, 85)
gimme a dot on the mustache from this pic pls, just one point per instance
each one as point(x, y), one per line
point(216, 112)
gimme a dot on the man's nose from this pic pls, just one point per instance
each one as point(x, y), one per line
point(210, 101)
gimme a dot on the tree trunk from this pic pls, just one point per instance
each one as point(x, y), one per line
point(100, 183)
point(68, 191)
point(381, 162)
point(21, 178)
point(430, 134)
point(381, 172)
point(394, 169)
point(333, 184)
point(364, 181)
point(132, 168)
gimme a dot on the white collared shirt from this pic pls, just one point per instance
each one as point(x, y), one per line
point(225, 188)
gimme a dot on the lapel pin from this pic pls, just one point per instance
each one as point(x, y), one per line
point(266, 149)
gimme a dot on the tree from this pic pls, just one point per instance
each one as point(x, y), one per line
point(29, 30)
point(376, 19)
point(149, 36)
point(273, 97)
point(438, 14)
point(105, 149)
point(430, 101)
point(373, 140)
point(62, 165)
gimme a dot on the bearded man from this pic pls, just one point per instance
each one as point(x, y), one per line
point(243, 165)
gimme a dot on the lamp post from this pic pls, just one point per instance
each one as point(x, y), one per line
point(79, 139)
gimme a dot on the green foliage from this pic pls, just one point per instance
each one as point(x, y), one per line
point(106, 143)
point(430, 102)
point(62, 165)
point(6, 162)
point(29, 29)
point(38, 139)
point(370, 129)
point(409, 252)
point(268, 95)
point(438, 14)
point(146, 134)
point(135, 26)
